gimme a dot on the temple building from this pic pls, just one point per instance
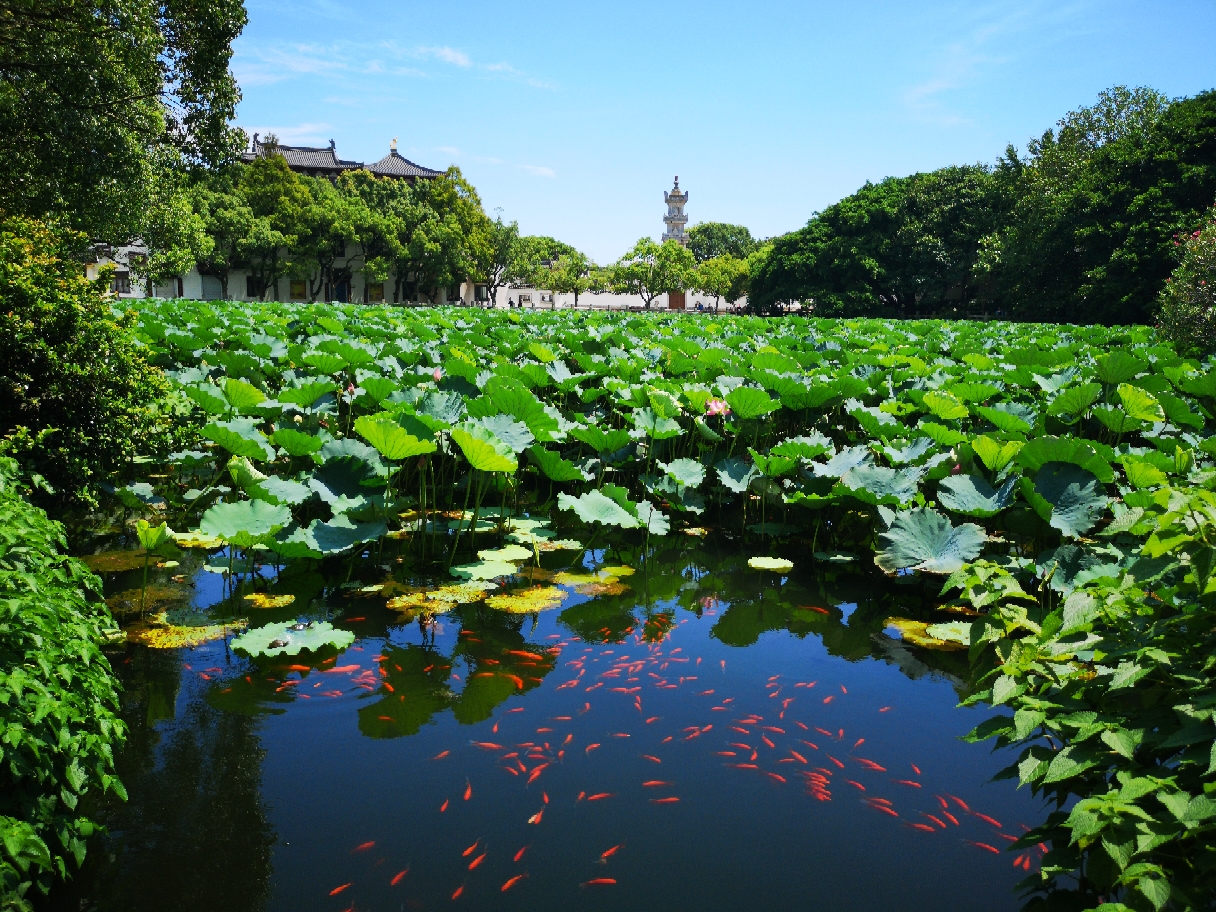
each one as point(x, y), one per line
point(675, 220)
point(323, 161)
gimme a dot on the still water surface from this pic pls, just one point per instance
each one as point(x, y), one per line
point(810, 752)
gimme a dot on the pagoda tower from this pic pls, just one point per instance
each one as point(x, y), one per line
point(675, 220)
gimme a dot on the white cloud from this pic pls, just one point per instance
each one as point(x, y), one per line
point(539, 170)
point(447, 55)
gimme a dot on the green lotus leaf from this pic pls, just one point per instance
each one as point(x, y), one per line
point(995, 454)
point(1143, 474)
point(391, 440)
point(280, 491)
point(652, 519)
point(973, 392)
point(1067, 497)
point(152, 537)
point(443, 408)
point(945, 405)
point(797, 396)
point(735, 474)
point(880, 485)
point(325, 362)
point(1075, 400)
point(874, 421)
point(554, 467)
point(1140, 405)
point(521, 404)
point(910, 451)
point(338, 535)
point(242, 396)
point(747, 402)
point(807, 447)
point(601, 441)
point(485, 570)
point(688, 473)
point(1117, 367)
point(596, 507)
point(484, 451)
point(1084, 453)
point(942, 435)
point(240, 437)
point(210, 397)
point(296, 443)
point(923, 539)
point(281, 639)
point(378, 388)
point(1006, 422)
point(654, 426)
point(244, 523)
point(306, 393)
point(972, 495)
point(514, 434)
point(663, 403)
point(506, 553)
point(1116, 420)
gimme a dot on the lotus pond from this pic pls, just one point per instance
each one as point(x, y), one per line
point(601, 610)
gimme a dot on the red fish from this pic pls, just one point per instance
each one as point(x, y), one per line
point(476, 861)
point(775, 776)
point(923, 827)
point(398, 877)
point(655, 783)
point(363, 847)
point(857, 784)
point(599, 796)
point(915, 768)
point(519, 854)
point(797, 756)
point(341, 669)
point(649, 757)
point(468, 790)
point(935, 820)
point(487, 745)
point(884, 809)
point(441, 755)
point(985, 847)
point(951, 818)
point(829, 699)
point(336, 890)
point(443, 807)
point(598, 882)
point(604, 856)
point(960, 802)
point(590, 747)
point(536, 773)
point(664, 800)
point(987, 819)
point(907, 782)
point(513, 881)
point(535, 818)
point(471, 849)
point(459, 890)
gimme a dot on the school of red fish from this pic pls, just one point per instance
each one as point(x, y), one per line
point(776, 745)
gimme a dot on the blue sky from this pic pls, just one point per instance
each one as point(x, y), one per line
point(572, 118)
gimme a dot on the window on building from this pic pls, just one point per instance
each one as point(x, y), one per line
point(454, 293)
point(525, 298)
point(251, 288)
point(481, 293)
point(375, 292)
point(121, 283)
point(299, 289)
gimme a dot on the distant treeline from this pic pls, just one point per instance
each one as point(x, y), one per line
point(1082, 227)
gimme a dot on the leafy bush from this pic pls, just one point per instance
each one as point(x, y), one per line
point(77, 397)
point(58, 698)
point(1187, 306)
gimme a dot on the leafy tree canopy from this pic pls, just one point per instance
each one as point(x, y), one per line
point(714, 239)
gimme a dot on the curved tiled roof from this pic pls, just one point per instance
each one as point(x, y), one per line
point(394, 165)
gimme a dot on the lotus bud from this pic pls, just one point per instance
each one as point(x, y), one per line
point(438, 374)
point(298, 419)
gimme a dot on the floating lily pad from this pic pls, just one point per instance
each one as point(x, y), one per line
point(776, 564)
point(263, 600)
point(526, 601)
point(156, 633)
point(917, 633)
point(115, 561)
point(290, 638)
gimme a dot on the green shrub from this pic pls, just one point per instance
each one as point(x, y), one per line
point(77, 397)
point(1187, 306)
point(58, 698)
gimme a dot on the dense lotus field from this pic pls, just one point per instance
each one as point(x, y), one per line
point(480, 438)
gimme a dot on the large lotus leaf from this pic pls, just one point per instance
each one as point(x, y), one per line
point(1067, 496)
point(972, 495)
point(554, 467)
point(325, 362)
point(484, 451)
point(1178, 412)
point(296, 443)
point(748, 402)
point(350, 448)
point(847, 459)
point(1140, 404)
point(340, 534)
point(911, 451)
point(1004, 421)
point(281, 639)
point(652, 520)
point(945, 405)
point(240, 437)
point(652, 425)
point(1117, 367)
point(307, 393)
point(735, 474)
point(663, 403)
point(1116, 420)
point(595, 507)
point(280, 490)
point(1083, 453)
point(807, 447)
point(244, 523)
point(391, 440)
point(444, 409)
point(242, 396)
point(514, 434)
point(485, 570)
point(686, 472)
point(1075, 399)
point(601, 441)
point(348, 477)
point(777, 564)
point(974, 392)
point(378, 388)
point(995, 454)
point(796, 395)
point(880, 485)
point(773, 466)
point(209, 396)
point(874, 421)
point(923, 539)
point(522, 405)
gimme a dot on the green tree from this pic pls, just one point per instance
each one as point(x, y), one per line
point(531, 255)
point(280, 202)
point(709, 240)
point(451, 240)
point(97, 99)
point(501, 250)
point(650, 270)
point(719, 276)
point(568, 274)
point(226, 221)
point(1186, 313)
point(79, 399)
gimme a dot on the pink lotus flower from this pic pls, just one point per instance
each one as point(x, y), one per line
point(438, 375)
point(350, 389)
point(717, 407)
